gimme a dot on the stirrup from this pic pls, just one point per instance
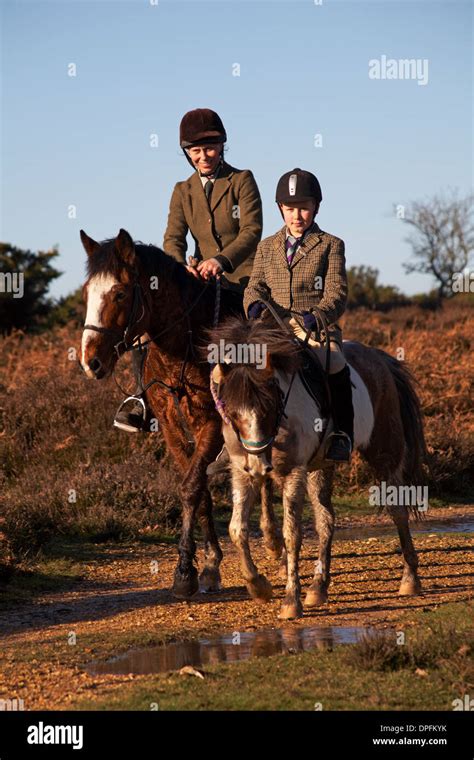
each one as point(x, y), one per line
point(123, 425)
point(339, 434)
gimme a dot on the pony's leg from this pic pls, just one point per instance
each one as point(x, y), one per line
point(410, 583)
point(319, 486)
point(244, 497)
point(209, 579)
point(272, 537)
point(293, 496)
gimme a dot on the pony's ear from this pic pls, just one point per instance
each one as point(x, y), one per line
point(267, 368)
point(91, 246)
point(125, 248)
point(218, 374)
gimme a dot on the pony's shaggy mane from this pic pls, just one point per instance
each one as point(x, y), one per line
point(246, 384)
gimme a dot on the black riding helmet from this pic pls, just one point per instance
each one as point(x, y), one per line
point(202, 125)
point(298, 186)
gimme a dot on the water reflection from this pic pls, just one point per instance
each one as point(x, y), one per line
point(231, 647)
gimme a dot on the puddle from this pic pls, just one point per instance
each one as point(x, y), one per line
point(462, 525)
point(231, 647)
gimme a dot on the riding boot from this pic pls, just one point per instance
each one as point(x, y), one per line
point(220, 463)
point(133, 414)
point(341, 441)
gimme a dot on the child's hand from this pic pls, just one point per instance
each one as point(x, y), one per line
point(309, 320)
point(255, 309)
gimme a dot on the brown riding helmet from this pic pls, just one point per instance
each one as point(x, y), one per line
point(201, 126)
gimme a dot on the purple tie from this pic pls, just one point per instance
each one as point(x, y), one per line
point(292, 244)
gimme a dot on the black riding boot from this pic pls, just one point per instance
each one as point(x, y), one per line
point(133, 414)
point(341, 441)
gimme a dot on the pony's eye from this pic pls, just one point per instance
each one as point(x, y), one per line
point(120, 295)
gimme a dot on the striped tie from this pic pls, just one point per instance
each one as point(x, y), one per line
point(292, 244)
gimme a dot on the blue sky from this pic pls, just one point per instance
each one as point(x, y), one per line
point(84, 140)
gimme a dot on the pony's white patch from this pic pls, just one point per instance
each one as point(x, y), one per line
point(97, 289)
point(363, 411)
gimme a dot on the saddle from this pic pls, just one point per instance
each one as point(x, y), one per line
point(314, 379)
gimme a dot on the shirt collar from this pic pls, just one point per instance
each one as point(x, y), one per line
point(312, 228)
point(211, 177)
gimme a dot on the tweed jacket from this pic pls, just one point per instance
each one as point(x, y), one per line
point(228, 228)
point(315, 277)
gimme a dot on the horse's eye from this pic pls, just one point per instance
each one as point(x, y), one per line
point(120, 295)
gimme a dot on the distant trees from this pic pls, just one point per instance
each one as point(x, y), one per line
point(25, 277)
point(442, 238)
point(365, 290)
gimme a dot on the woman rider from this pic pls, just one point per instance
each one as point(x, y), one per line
point(221, 207)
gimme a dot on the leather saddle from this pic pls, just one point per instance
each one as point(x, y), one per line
point(314, 379)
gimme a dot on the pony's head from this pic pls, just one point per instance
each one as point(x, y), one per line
point(114, 299)
point(248, 386)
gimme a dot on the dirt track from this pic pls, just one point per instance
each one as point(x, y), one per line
point(119, 596)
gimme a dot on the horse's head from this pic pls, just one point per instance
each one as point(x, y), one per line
point(252, 400)
point(249, 391)
point(114, 298)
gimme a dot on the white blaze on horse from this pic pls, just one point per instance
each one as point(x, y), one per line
point(273, 429)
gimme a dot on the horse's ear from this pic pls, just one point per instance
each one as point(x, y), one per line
point(218, 374)
point(90, 245)
point(267, 368)
point(125, 247)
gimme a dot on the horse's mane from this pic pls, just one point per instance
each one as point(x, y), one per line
point(153, 260)
point(245, 382)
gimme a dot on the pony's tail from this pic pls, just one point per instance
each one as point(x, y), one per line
point(412, 419)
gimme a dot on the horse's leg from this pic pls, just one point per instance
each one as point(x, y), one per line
point(410, 584)
point(197, 501)
point(244, 497)
point(272, 537)
point(319, 491)
point(209, 579)
point(293, 496)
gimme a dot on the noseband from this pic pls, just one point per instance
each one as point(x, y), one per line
point(127, 337)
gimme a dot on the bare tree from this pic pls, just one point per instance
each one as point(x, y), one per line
point(442, 239)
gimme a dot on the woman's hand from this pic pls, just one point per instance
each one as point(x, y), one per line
point(194, 272)
point(209, 268)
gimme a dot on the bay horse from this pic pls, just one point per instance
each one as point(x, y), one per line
point(133, 289)
point(270, 431)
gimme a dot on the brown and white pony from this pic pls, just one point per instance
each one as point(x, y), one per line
point(267, 438)
point(136, 289)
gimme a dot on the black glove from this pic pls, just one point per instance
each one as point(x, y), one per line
point(255, 309)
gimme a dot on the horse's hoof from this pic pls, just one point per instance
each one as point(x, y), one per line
point(210, 581)
point(290, 611)
point(184, 587)
point(260, 589)
point(410, 588)
point(315, 597)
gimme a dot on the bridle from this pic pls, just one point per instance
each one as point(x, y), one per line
point(128, 336)
point(257, 447)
